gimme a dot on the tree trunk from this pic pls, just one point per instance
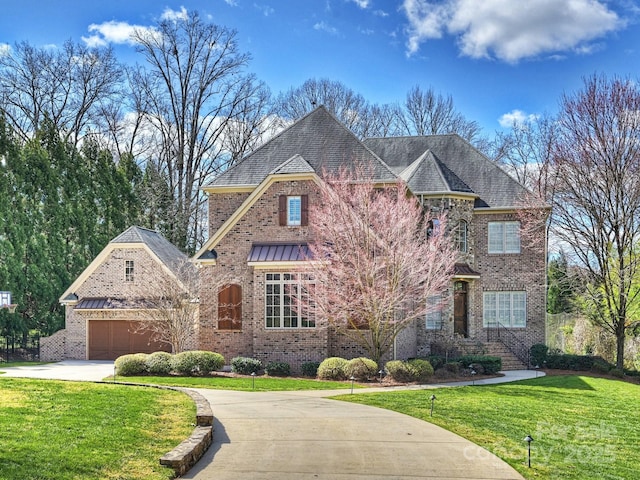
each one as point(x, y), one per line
point(620, 337)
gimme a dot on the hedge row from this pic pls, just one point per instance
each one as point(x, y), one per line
point(191, 363)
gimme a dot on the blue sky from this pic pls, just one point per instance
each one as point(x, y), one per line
point(498, 59)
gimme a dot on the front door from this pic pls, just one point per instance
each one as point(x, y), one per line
point(460, 324)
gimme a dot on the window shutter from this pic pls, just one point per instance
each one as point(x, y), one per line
point(230, 308)
point(304, 201)
point(282, 210)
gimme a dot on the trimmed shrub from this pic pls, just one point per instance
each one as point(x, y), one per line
point(564, 361)
point(616, 372)
point(452, 367)
point(131, 364)
point(490, 364)
point(399, 371)
point(185, 363)
point(310, 369)
point(423, 370)
point(600, 366)
point(159, 363)
point(196, 362)
point(209, 361)
point(332, 368)
point(245, 365)
point(278, 369)
point(538, 354)
point(361, 368)
point(436, 361)
point(415, 370)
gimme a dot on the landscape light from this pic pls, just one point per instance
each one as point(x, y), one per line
point(529, 439)
point(433, 399)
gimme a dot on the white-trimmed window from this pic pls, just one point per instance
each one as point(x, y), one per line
point(462, 233)
point(504, 237)
point(434, 313)
point(128, 270)
point(281, 293)
point(294, 210)
point(506, 308)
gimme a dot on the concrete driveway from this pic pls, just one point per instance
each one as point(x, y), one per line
point(81, 370)
point(303, 435)
point(299, 436)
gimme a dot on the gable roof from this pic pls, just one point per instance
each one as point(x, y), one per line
point(321, 141)
point(459, 165)
point(166, 251)
point(429, 175)
point(163, 251)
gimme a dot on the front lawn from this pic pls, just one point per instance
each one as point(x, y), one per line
point(52, 430)
point(244, 383)
point(582, 427)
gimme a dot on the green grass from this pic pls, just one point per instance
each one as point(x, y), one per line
point(259, 383)
point(19, 364)
point(582, 427)
point(51, 430)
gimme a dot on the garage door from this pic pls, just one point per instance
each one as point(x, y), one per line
point(109, 339)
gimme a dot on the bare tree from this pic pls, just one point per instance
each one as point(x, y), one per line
point(193, 88)
point(348, 106)
point(596, 201)
point(428, 113)
point(375, 268)
point(169, 305)
point(69, 86)
point(526, 150)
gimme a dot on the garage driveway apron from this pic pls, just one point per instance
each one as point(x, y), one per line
point(302, 435)
point(299, 435)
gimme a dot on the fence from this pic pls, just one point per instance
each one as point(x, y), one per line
point(20, 348)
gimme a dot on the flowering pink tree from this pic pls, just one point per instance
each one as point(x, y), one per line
point(374, 265)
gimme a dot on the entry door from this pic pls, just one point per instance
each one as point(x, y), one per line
point(460, 323)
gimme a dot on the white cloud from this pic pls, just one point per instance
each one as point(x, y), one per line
point(324, 27)
point(5, 49)
point(111, 32)
point(174, 15)
point(265, 9)
point(515, 118)
point(231, 3)
point(361, 3)
point(380, 13)
point(509, 30)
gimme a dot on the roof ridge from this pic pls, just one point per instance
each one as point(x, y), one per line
point(360, 141)
point(264, 144)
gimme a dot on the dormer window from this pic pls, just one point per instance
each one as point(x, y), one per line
point(128, 270)
point(293, 210)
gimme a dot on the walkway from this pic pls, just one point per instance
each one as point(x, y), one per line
point(302, 435)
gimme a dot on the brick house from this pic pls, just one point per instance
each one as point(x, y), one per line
point(259, 231)
point(103, 306)
point(258, 226)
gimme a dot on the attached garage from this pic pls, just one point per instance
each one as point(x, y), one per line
point(109, 339)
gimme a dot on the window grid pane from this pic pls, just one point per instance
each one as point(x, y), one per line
point(434, 317)
point(280, 293)
point(504, 237)
point(508, 308)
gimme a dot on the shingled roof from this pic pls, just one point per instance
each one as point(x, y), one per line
point(166, 251)
point(319, 138)
point(451, 163)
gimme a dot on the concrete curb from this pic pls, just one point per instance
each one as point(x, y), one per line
point(192, 449)
point(189, 451)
